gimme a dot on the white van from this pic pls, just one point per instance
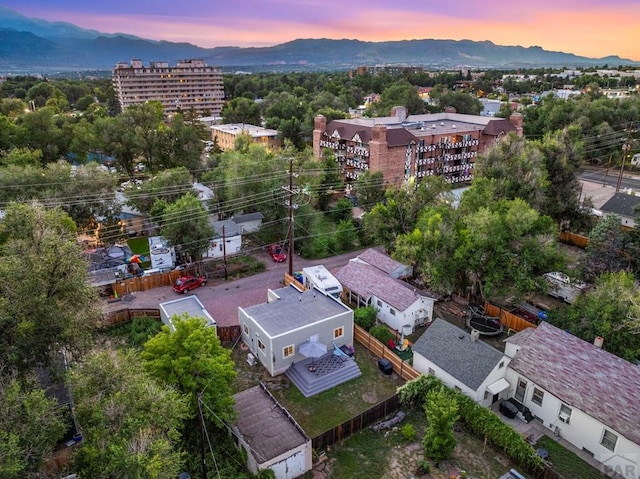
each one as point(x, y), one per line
point(563, 287)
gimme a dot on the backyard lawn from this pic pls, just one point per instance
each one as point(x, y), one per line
point(323, 411)
point(566, 462)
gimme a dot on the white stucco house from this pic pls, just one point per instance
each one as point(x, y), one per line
point(275, 330)
point(623, 206)
point(226, 240)
point(386, 263)
point(270, 436)
point(462, 362)
point(585, 394)
point(399, 305)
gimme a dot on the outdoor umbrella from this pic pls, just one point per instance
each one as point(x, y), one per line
point(312, 349)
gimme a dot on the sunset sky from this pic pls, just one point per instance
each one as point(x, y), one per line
point(592, 28)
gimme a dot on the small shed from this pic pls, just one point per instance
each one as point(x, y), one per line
point(226, 240)
point(386, 263)
point(270, 436)
point(190, 305)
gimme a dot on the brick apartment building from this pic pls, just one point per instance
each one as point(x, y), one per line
point(410, 148)
point(190, 84)
point(227, 134)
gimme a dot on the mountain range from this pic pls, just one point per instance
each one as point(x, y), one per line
point(29, 45)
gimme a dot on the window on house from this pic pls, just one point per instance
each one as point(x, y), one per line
point(261, 346)
point(379, 303)
point(432, 372)
point(537, 396)
point(288, 351)
point(338, 332)
point(457, 388)
point(501, 365)
point(245, 328)
point(392, 311)
point(565, 414)
point(609, 440)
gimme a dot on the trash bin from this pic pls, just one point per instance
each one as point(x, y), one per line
point(385, 366)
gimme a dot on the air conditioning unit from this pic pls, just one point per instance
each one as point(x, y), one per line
point(565, 418)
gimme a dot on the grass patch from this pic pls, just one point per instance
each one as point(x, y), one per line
point(140, 246)
point(134, 333)
point(566, 462)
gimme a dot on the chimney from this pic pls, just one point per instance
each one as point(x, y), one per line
point(449, 109)
point(516, 119)
point(598, 341)
point(475, 335)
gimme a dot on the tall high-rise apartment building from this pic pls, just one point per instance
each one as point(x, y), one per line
point(189, 85)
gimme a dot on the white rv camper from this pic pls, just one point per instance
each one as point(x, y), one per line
point(320, 278)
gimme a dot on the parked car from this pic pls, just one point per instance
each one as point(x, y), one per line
point(184, 284)
point(277, 253)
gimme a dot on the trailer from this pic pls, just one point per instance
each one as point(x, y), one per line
point(563, 287)
point(320, 278)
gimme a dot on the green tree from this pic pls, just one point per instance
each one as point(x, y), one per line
point(365, 317)
point(192, 360)
point(30, 426)
point(441, 410)
point(40, 260)
point(131, 425)
point(518, 169)
point(168, 185)
point(186, 225)
point(606, 251)
point(241, 110)
point(344, 237)
point(606, 310)
point(369, 189)
point(464, 103)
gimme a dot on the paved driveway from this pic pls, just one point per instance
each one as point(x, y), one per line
point(222, 298)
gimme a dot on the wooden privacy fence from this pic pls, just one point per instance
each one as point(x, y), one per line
point(402, 368)
point(144, 283)
point(114, 318)
point(355, 424)
point(574, 239)
point(510, 320)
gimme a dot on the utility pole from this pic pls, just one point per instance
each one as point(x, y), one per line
point(290, 217)
point(202, 448)
point(625, 148)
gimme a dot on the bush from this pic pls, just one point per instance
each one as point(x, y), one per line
point(408, 431)
point(382, 333)
point(142, 328)
point(365, 317)
point(423, 468)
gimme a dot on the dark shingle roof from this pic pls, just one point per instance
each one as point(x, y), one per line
point(230, 228)
point(453, 350)
point(621, 204)
point(367, 281)
point(237, 219)
point(265, 425)
point(583, 376)
point(498, 127)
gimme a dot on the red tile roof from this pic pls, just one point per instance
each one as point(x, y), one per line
point(583, 376)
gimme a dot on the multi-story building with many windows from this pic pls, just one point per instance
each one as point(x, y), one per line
point(409, 148)
point(189, 85)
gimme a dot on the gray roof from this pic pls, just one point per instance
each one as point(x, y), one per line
point(247, 217)
point(230, 228)
point(265, 425)
point(453, 350)
point(294, 310)
point(367, 281)
point(190, 305)
point(621, 204)
point(583, 376)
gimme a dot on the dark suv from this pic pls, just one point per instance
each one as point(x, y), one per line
point(508, 409)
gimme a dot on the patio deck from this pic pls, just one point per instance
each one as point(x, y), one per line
point(315, 375)
point(534, 430)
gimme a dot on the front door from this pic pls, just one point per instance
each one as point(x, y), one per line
point(520, 390)
point(494, 399)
